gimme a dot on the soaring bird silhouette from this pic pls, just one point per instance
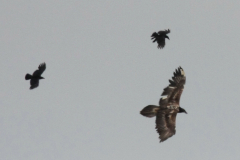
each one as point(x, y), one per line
point(160, 38)
point(34, 82)
point(168, 107)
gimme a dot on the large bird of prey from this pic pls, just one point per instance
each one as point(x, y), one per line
point(160, 38)
point(34, 79)
point(168, 107)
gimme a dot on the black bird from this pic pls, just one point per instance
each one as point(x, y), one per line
point(160, 38)
point(168, 107)
point(34, 82)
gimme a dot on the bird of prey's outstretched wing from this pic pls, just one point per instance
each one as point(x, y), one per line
point(173, 92)
point(165, 125)
point(40, 70)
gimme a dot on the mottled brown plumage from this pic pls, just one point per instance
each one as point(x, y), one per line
point(168, 107)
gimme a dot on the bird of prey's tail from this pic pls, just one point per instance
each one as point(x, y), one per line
point(28, 76)
point(149, 111)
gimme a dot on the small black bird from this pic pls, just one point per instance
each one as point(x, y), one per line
point(34, 82)
point(168, 108)
point(160, 38)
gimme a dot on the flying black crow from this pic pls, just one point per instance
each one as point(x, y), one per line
point(34, 82)
point(160, 38)
point(168, 107)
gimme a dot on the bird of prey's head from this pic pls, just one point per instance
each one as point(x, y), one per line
point(181, 110)
point(167, 37)
point(41, 78)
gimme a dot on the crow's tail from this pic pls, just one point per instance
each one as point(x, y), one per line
point(28, 76)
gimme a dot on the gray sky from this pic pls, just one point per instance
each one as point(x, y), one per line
point(102, 69)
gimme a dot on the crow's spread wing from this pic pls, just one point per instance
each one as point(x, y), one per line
point(40, 70)
point(34, 83)
point(154, 37)
point(163, 32)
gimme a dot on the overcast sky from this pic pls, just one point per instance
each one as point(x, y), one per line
point(102, 69)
